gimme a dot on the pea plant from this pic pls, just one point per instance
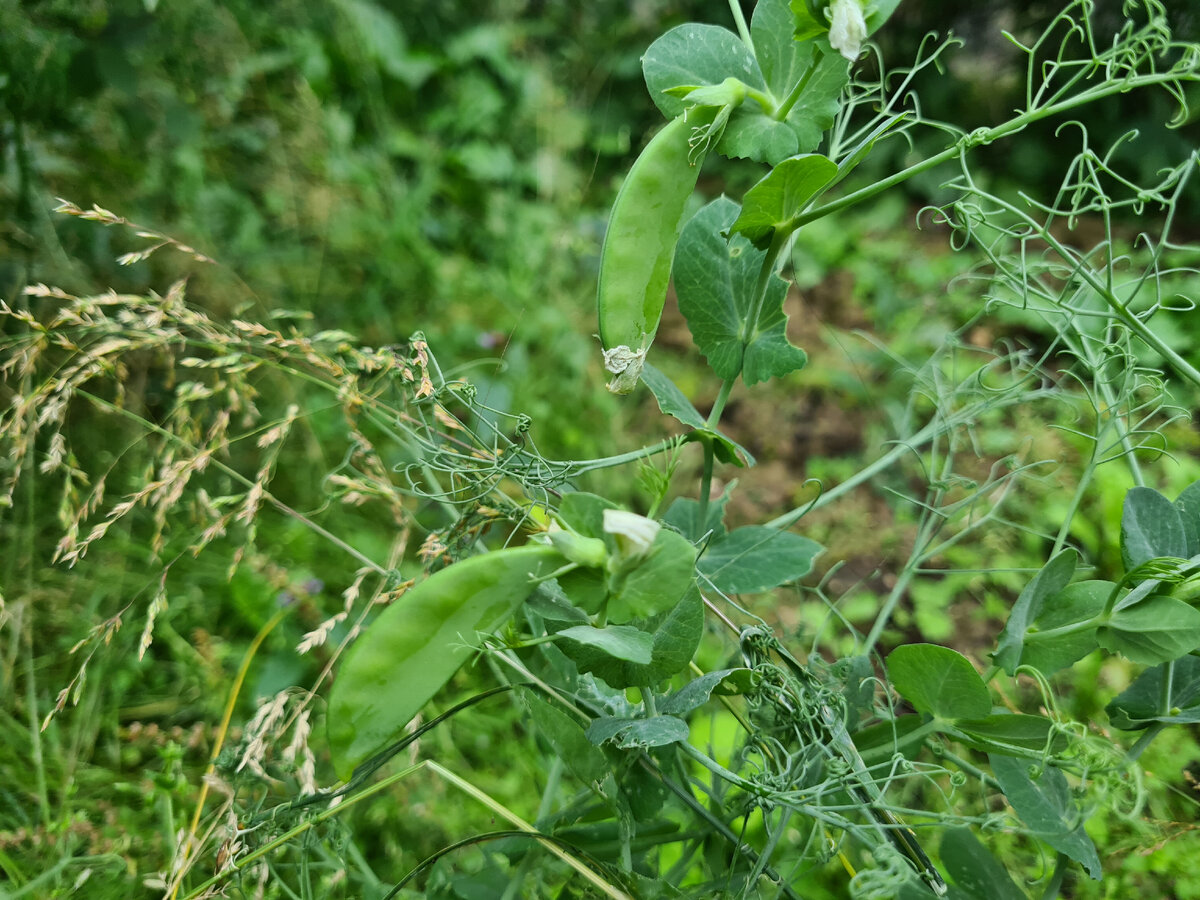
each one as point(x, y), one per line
point(696, 750)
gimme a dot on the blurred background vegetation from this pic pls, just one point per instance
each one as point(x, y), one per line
point(388, 167)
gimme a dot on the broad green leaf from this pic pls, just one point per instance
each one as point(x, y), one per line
point(672, 402)
point(684, 515)
point(1045, 806)
point(696, 693)
point(584, 513)
point(1141, 702)
point(716, 281)
point(819, 102)
point(1150, 526)
point(756, 558)
point(695, 55)
point(782, 59)
point(781, 195)
point(1006, 732)
point(637, 734)
point(676, 637)
point(417, 644)
point(751, 135)
point(655, 585)
point(566, 737)
point(938, 681)
point(1188, 504)
point(1075, 605)
point(974, 869)
point(671, 399)
point(1157, 630)
point(618, 641)
point(1053, 577)
point(550, 602)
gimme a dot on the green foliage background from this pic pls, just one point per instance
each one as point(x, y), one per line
point(385, 168)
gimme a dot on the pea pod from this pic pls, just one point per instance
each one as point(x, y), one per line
point(643, 229)
point(418, 643)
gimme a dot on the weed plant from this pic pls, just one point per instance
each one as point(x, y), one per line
point(665, 703)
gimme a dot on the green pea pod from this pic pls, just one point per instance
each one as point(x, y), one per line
point(419, 642)
point(639, 246)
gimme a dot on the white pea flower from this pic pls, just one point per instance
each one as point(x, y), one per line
point(847, 28)
point(635, 534)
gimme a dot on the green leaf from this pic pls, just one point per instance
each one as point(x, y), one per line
point(584, 513)
point(756, 558)
point(676, 637)
point(684, 515)
point(1188, 504)
point(819, 102)
point(672, 402)
point(1045, 806)
point(974, 869)
point(1151, 526)
point(1006, 732)
point(1141, 703)
point(1157, 630)
point(781, 195)
point(417, 644)
point(567, 739)
point(751, 135)
point(618, 641)
point(938, 681)
point(1076, 604)
point(782, 59)
point(1053, 577)
point(658, 581)
point(716, 281)
point(696, 55)
point(671, 399)
point(697, 692)
point(638, 734)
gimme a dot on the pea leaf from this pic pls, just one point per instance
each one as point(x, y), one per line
point(783, 60)
point(684, 515)
point(566, 737)
point(696, 692)
point(1006, 732)
point(819, 102)
point(1053, 577)
point(672, 402)
point(716, 281)
point(1141, 703)
point(417, 644)
point(781, 195)
point(695, 55)
point(618, 641)
point(1045, 805)
point(676, 637)
point(658, 581)
point(756, 558)
point(1157, 630)
point(974, 869)
point(584, 512)
point(938, 681)
point(1188, 504)
point(751, 135)
point(636, 734)
point(1151, 526)
point(1074, 605)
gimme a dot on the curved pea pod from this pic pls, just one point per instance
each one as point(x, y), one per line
point(418, 643)
point(643, 229)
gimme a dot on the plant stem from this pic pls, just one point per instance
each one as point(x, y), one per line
point(223, 730)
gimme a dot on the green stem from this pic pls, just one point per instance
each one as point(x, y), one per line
point(982, 136)
point(1054, 885)
point(1144, 741)
point(793, 96)
point(735, 8)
